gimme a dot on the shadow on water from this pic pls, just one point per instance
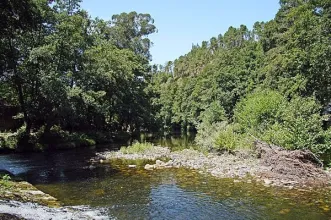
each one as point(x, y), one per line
point(52, 167)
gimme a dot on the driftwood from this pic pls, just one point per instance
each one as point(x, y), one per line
point(300, 166)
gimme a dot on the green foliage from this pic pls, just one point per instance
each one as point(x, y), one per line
point(8, 141)
point(293, 124)
point(222, 136)
point(137, 148)
point(5, 181)
point(74, 78)
point(6, 177)
point(260, 109)
point(279, 71)
point(231, 137)
point(63, 68)
point(207, 135)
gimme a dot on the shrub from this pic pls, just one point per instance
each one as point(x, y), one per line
point(214, 113)
point(5, 181)
point(260, 109)
point(293, 124)
point(137, 148)
point(207, 134)
point(231, 137)
point(222, 136)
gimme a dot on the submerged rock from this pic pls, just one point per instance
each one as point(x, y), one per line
point(19, 210)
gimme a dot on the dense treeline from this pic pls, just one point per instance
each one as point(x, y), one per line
point(72, 76)
point(271, 83)
point(67, 71)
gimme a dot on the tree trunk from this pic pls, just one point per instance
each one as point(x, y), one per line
point(23, 107)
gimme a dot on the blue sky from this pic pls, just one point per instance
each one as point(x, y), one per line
point(183, 22)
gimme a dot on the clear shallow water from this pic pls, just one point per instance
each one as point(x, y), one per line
point(133, 193)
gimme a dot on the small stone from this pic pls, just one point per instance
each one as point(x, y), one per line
point(169, 163)
point(101, 161)
point(149, 167)
point(132, 166)
point(267, 181)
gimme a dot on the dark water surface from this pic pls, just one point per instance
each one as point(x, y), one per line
point(133, 193)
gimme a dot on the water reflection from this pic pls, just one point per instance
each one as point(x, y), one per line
point(52, 167)
point(162, 194)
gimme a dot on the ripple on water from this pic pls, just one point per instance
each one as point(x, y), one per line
point(162, 194)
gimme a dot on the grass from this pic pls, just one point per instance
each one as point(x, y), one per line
point(5, 182)
point(137, 148)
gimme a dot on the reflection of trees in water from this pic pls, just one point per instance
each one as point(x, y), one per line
point(67, 174)
point(52, 167)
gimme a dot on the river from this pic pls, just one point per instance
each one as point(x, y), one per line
point(133, 193)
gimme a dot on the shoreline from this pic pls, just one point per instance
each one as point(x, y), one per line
point(268, 164)
point(22, 200)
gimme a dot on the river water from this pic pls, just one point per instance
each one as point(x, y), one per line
point(133, 193)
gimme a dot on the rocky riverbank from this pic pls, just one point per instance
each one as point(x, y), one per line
point(25, 192)
point(21, 200)
point(19, 210)
point(271, 165)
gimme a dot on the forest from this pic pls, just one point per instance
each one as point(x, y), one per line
point(82, 79)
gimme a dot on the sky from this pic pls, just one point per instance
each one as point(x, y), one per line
point(181, 23)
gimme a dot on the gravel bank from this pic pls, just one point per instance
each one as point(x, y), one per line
point(291, 169)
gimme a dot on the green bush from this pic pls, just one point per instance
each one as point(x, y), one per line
point(258, 110)
point(137, 148)
point(5, 181)
point(231, 137)
point(214, 113)
point(293, 124)
point(207, 134)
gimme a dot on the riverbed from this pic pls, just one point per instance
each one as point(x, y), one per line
point(135, 193)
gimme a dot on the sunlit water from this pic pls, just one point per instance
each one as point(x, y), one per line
point(133, 193)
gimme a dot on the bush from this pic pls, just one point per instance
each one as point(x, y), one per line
point(293, 124)
point(207, 135)
point(259, 110)
point(214, 113)
point(137, 148)
point(5, 181)
point(222, 136)
point(230, 137)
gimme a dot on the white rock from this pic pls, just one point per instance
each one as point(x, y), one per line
point(149, 167)
point(267, 181)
